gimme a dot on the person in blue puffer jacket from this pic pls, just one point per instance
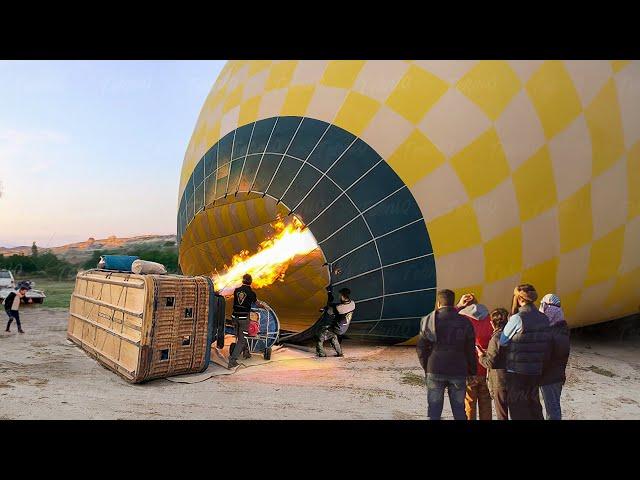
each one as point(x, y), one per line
point(528, 336)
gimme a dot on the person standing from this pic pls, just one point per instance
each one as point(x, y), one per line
point(339, 316)
point(553, 375)
point(494, 360)
point(528, 335)
point(478, 398)
point(445, 350)
point(243, 298)
point(12, 306)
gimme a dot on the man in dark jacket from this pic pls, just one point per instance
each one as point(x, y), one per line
point(11, 306)
point(243, 298)
point(494, 360)
point(446, 350)
point(528, 335)
point(553, 374)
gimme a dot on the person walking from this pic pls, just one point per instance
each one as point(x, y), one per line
point(337, 320)
point(477, 402)
point(528, 336)
point(494, 360)
point(553, 374)
point(445, 350)
point(12, 306)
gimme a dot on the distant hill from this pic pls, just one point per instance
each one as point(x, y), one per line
point(79, 252)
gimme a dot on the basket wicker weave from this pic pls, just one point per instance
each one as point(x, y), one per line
point(143, 326)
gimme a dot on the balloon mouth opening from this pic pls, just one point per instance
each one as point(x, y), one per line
point(288, 268)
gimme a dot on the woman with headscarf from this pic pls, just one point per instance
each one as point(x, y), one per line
point(494, 360)
point(528, 336)
point(553, 375)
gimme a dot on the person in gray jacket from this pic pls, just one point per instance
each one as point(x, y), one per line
point(494, 360)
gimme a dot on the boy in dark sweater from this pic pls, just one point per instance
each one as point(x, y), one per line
point(11, 306)
point(493, 359)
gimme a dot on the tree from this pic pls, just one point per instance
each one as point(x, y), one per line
point(34, 250)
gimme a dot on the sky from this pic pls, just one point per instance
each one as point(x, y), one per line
point(94, 148)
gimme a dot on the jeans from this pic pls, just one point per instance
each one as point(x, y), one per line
point(456, 387)
point(13, 314)
point(241, 325)
point(551, 396)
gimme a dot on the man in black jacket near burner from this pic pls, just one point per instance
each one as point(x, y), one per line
point(243, 298)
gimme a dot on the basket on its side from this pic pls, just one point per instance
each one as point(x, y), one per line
point(143, 326)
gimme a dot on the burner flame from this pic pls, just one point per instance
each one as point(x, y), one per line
point(269, 264)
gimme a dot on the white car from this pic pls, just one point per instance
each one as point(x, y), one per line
point(8, 284)
point(6, 279)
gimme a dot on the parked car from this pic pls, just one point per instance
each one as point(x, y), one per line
point(8, 283)
point(6, 279)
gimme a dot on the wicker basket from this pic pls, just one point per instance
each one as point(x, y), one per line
point(143, 326)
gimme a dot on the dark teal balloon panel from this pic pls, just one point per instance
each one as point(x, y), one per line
point(361, 213)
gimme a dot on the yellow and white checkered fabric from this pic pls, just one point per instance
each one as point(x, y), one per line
point(525, 171)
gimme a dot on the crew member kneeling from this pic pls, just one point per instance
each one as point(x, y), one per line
point(342, 313)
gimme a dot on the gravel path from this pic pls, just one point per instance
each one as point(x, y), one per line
point(42, 376)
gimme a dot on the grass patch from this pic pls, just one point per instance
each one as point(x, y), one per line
point(601, 371)
point(410, 378)
point(58, 292)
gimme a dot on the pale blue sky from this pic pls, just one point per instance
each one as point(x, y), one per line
point(94, 148)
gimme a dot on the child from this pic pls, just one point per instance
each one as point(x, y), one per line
point(11, 306)
point(493, 359)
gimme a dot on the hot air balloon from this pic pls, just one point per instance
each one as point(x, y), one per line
point(411, 176)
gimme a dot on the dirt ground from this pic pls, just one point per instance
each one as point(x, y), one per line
point(42, 376)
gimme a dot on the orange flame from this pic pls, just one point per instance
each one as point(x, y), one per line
point(272, 259)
